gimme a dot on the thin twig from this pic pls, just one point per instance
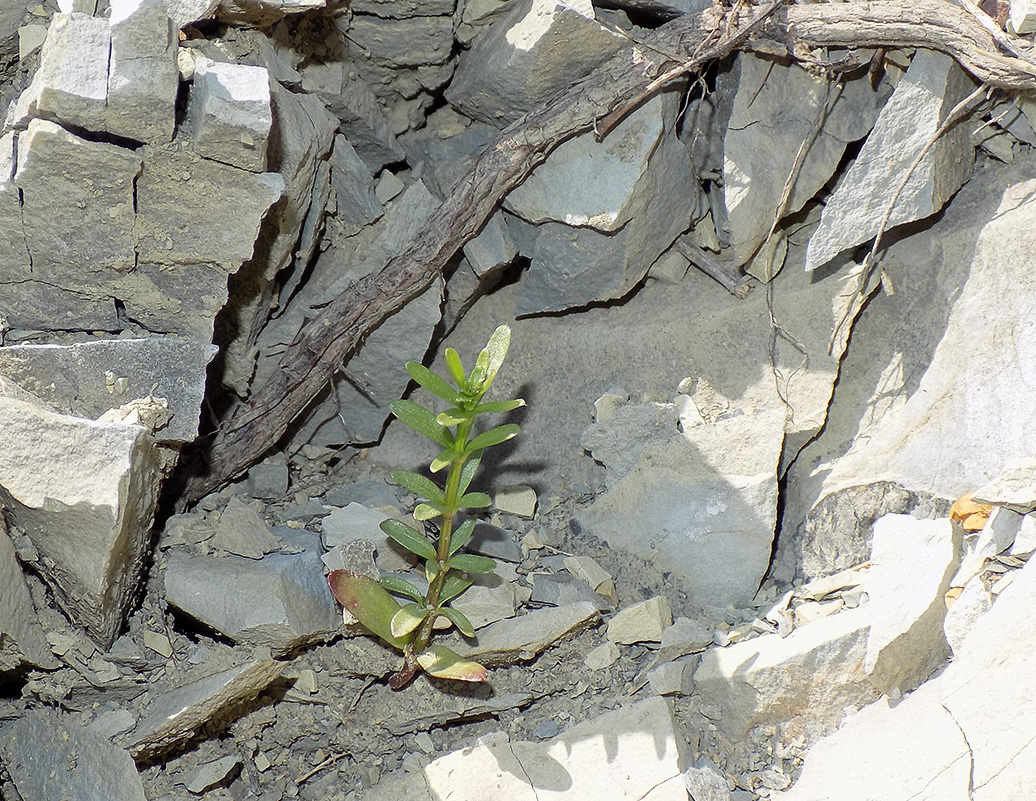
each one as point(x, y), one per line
point(325, 764)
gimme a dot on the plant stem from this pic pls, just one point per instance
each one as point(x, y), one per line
point(424, 633)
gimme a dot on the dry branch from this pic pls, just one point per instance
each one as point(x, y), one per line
point(325, 343)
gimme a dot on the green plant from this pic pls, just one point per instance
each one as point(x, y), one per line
point(409, 627)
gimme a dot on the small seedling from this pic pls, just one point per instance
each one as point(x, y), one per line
point(408, 627)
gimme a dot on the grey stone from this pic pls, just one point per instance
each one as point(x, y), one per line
point(78, 203)
point(932, 86)
point(305, 512)
point(641, 622)
point(242, 532)
point(355, 202)
point(357, 556)
point(362, 118)
point(495, 542)
point(175, 225)
point(443, 154)
point(264, 12)
point(513, 66)
point(612, 188)
point(560, 589)
point(520, 639)
point(268, 480)
point(367, 493)
point(47, 756)
point(21, 635)
point(913, 562)
point(14, 254)
point(683, 637)
point(491, 249)
point(803, 681)
point(142, 75)
point(175, 715)
point(705, 783)
point(408, 42)
point(230, 113)
point(401, 9)
point(208, 775)
point(183, 12)
point(674, 678)
point(85, 493)
point(775, 110)
point(281, 601)
point(71, 84)
point(90, 378)
point(488, 600)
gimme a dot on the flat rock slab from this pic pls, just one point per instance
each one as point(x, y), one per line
point(811, 676)
point(21, 635)
point(522, 638)
point(280, 601)
point(175, 715)
point(90, 378)
point(47, 756)
point(631, 754)
point(932, 86)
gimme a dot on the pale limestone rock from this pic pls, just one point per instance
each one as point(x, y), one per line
point(775, 110)
point(972, 603)
point(71, 84)
point(514, 66)
point(90, 378)
point(520, 639)
point(264, 12)
point(242, 532)
point(912, 564)
point(175, 225)
point(176, 714)
point(1014, 488)
point(184, 12)
point(489, 600)
point(804, 680)
point(21, 635)
point(40, 749)
point(894, 414)
point(643, 622)
point(1022, 19)
point(143, 78)
point(912, 752)
point(932, 86)
point(30, 39)
point(230, 113)
point(78, 203)
point(517, 500)
point(85, 492)
point(604, 655)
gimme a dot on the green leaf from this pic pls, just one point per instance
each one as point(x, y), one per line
point(493, 436)
point(432, 382)
point(368, 602)
point(459, 620)
point(477, 379)
point(453, 417)
point(431, 570)
point(499, 342)
point(460, 537)
point(401, 587)
point(422, 421)
point(467, 471)
point(441, 662)
point(408, 538)
point(474, 500)
point(494, 407)
point(455, 367)
point(407, 619)
point(419, 485)
point(470, 563)
point(428, 511)
point(454, 585)
point(442, 460)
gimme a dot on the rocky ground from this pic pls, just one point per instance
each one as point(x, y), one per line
point(766, 530)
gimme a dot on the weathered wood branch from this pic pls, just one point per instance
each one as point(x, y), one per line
point(325, 343)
